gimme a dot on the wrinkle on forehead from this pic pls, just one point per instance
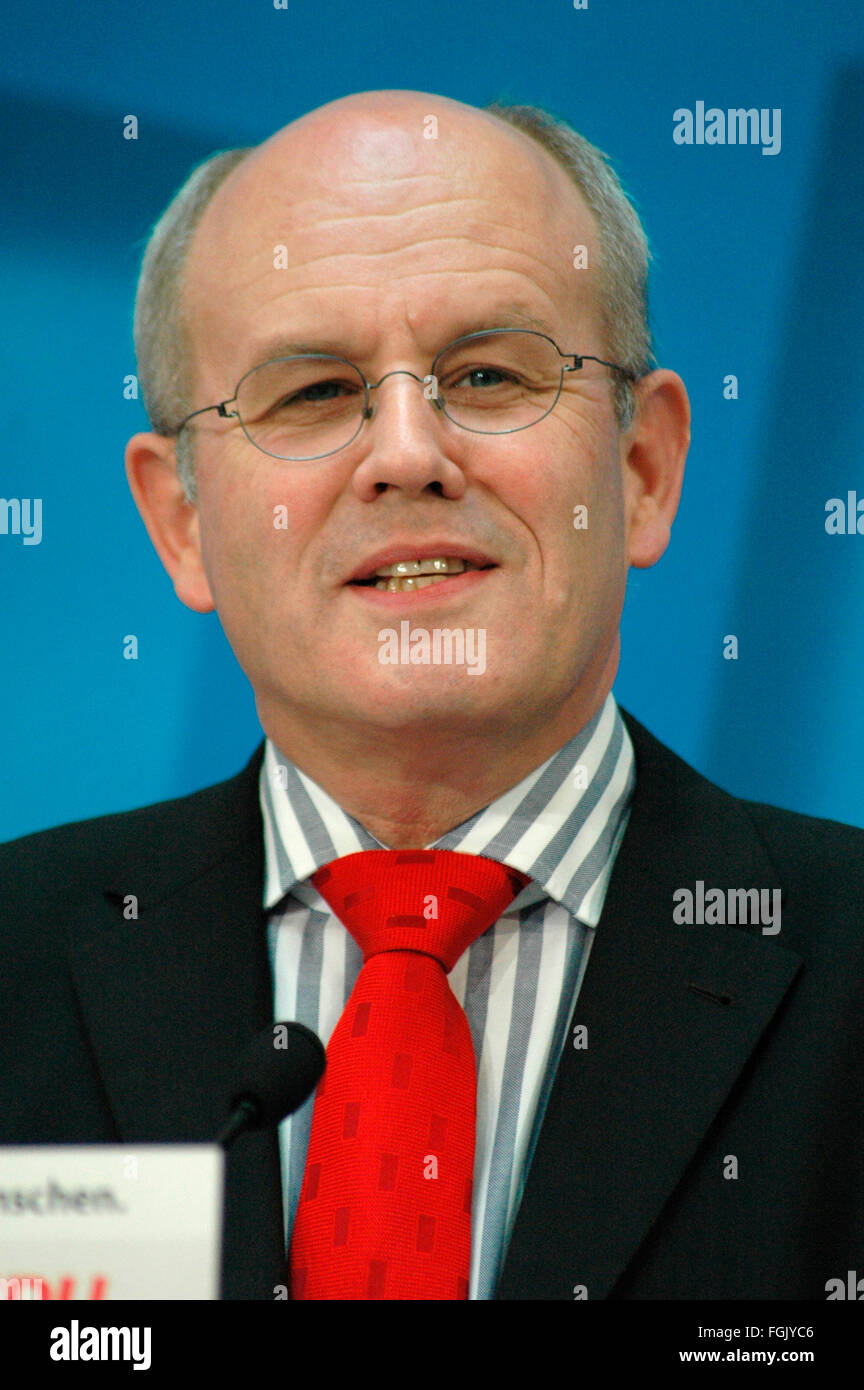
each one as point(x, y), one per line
point(367, 155)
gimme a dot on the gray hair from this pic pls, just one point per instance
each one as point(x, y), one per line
point(162, 338)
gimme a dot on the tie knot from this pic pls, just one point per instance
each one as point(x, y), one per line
point(435, 901)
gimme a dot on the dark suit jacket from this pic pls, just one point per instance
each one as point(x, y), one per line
point(705, 1043)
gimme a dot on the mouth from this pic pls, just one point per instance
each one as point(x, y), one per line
point(410, 566)
point(405, 576)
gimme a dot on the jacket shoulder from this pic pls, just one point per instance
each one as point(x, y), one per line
point(827, 854)
point(818, 863)
point(171, 839)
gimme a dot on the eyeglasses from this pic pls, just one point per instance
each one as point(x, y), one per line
point(310, 405)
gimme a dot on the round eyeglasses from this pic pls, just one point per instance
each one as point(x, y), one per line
point(310, 405)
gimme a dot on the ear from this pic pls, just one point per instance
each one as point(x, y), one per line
point(171, 521)
point(654, 451)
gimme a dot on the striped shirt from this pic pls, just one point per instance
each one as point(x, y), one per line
point(518, 983)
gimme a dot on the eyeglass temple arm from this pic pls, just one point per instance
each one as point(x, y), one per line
point(220, 409)
point(586, 357)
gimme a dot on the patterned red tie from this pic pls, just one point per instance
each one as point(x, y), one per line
point(385, 1208)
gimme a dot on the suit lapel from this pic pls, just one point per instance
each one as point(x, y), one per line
point(171, 998)
point(627, 1113)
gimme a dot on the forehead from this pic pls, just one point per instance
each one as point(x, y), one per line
point(352, 221)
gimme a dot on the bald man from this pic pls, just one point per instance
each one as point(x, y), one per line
point(408, 439)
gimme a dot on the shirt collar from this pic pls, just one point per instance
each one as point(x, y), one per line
point(561, 825)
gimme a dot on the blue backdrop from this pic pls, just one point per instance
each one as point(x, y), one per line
point(758, 273)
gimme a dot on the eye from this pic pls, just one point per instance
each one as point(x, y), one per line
point(318, 391)
point(484, 376)
point(313, 397)
point(323, 390)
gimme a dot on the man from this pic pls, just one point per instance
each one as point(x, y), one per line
point(408, 441)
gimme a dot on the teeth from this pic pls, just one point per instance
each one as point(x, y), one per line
point(411, 568)
point(400, 586)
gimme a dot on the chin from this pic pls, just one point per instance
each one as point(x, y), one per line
point(397, 708)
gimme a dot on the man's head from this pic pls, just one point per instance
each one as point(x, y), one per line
point(619, 280)
point(395, 244)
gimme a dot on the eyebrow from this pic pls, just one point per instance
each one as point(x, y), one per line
point(510, 316)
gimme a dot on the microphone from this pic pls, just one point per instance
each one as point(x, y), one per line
point(280, 1069)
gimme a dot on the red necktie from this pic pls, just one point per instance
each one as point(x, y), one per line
point(385, 1208)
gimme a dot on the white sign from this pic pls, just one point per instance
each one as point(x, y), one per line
point(111, 1221)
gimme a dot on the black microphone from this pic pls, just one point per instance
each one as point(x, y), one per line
point(280, 1069)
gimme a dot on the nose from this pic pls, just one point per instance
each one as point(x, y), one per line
point(408, 440)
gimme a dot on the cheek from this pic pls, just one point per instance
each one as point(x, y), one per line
point(537, 478)
point(256, 522)
point(229, 527)
point(574, 505)
point(565, 486)
point(590, 481)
